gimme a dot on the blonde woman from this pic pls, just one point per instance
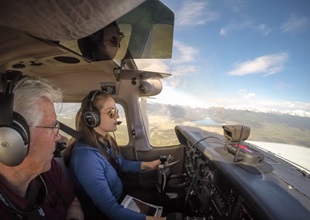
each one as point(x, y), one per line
point(96, 161)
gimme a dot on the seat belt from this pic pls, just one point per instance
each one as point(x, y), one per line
point(69, 131)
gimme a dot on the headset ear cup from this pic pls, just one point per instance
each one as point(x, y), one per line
point(14, 141)
point(92, 118)
point(91, 114)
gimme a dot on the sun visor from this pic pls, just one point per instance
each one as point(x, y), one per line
point(145, 32)
point(151, 27)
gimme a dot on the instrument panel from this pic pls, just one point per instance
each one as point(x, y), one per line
point(211, 195)
point(238, 180)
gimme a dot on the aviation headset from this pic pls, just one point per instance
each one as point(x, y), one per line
point(14, 130)
point(91, 114)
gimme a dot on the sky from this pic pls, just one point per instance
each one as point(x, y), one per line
point(252, 54)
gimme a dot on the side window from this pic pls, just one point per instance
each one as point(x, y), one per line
point(121, 134)
point(159, 123)
point(66, 113)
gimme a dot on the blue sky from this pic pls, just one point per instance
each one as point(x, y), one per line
point(251, 54)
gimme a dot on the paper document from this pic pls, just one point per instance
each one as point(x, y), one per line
point(137, 205)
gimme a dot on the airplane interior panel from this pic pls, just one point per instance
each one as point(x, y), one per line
point(209, 168)
point(221, 188)
point(210, 194)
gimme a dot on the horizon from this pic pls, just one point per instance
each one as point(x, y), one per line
point(73, 107)
point(241, 108)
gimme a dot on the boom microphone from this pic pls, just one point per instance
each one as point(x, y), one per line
point(119, 122)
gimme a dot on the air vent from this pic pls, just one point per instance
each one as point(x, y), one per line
point(18, 66)
point(69, 60)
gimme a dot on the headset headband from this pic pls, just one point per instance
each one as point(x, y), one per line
point(9, 80)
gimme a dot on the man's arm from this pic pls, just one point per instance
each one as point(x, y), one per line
point(75, 211)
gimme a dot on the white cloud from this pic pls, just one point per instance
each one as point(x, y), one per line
point(237, 6)
point(244, 101)
point(285, 106)
point(155, 65)
point(280, 85)
point(179, 65)
point(246, 95)
point(233, 27)
point(183, 53)
point(254, 104)
point(184, 70)
point(177, 72)
point(194, 13)
point(266, 65)
point(173, 96)
point(294, 23)
point(263, 29)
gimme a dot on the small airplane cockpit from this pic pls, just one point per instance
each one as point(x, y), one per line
point(205, 172)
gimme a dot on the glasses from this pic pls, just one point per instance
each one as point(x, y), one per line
point(121, 34)
point(111, 113)
point(116, 41)
point(55, 127)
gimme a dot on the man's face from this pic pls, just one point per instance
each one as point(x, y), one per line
point(43, 139)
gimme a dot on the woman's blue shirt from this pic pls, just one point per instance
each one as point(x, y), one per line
point(101, 181)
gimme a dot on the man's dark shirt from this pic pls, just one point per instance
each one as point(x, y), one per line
point(59, 197)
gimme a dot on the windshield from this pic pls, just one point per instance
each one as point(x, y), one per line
point(241, 62)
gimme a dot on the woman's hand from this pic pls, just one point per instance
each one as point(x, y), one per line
point(151, 165)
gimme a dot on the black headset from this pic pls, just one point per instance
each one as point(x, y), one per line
point(14, 130)
point(91, 114)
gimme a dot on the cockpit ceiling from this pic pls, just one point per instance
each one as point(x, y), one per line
point(62, 20)
point(31, 32)
point(21, 52)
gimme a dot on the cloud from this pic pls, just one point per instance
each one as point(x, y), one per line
point(172, 96)
point(294, 23)
point(153, 65)
point(280, 106)
point(246, 95)
point(195, 13)
point(280, 85)
point(182, 62)
point(263, 29)
point(185, 70)
point(285, 106)
point(237, 6)
point(266, 65)
point(180, 65)
point(184, 53)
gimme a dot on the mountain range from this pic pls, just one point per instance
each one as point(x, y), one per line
point(269, 127)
